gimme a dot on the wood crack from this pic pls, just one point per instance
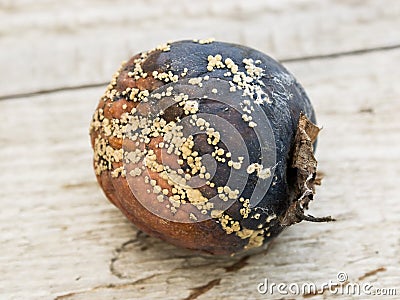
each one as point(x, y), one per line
point(341, 54)
point(117, 252)
point(241, 263)
point(372, 273)
point(198, 291)
point(53, 90)
point(105, 286)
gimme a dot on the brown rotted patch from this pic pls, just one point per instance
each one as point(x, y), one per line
point(206, 236)
point(148, 65)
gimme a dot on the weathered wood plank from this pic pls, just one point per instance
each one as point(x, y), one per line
point(47, 44)
point(60, 237)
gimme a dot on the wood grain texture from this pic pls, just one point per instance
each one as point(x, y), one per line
point(60, 236)
point(61, 239)
point(47, 44)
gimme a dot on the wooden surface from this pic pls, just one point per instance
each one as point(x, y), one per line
point(61, 239)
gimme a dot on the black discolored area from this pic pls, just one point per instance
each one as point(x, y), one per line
point(288, 101)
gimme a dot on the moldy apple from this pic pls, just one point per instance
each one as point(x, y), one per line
point(206, 145)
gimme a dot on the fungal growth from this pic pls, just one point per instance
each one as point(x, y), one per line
point(207, 145)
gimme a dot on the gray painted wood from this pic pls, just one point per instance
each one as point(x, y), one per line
point(49, 44)
point(61, 239)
